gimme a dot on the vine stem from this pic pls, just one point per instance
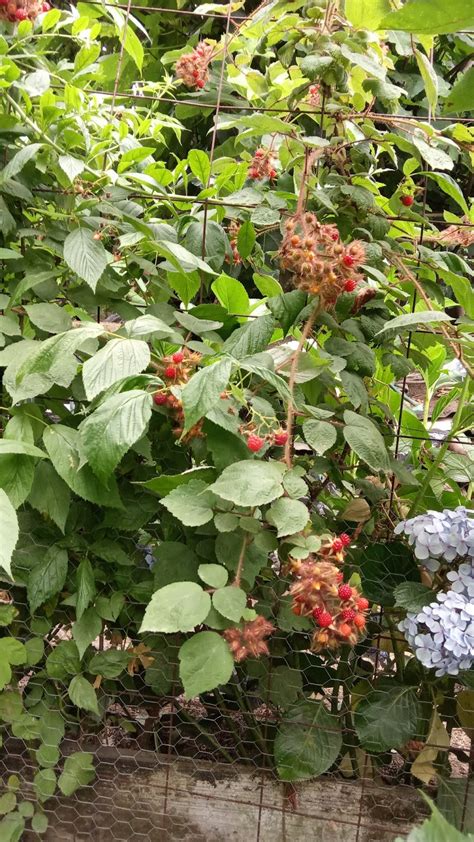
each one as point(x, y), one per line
point(442, 451)
point(291, 383)
point(240, 563)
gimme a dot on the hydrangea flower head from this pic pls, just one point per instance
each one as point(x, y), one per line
point(440, 536)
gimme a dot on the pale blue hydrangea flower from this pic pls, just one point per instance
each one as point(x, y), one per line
point(440, 536)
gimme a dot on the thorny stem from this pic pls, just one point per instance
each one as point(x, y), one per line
point(442, 451)
point(291, 383)
point(240, 563)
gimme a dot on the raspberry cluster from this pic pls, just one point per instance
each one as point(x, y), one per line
point(193, 68)
point(177, 369)
point(18, 10)
point(233, 231)
point(319, 262)
point(248, 640)
point(262, 165)
point(255, 442)
point(337, 608)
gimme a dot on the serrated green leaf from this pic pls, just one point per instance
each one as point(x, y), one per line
point(119, 359)
point(250, 483)
point(85, 256)
point(47, 578)
point(177, 607)
point(8, 530)
point(205, 663)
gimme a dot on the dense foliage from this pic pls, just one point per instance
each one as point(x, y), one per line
point(228, 238)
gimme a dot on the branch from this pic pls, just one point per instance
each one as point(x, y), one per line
point(291, 383)
point(240, 563)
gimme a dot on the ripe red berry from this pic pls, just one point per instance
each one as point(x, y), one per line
point(4, 2)
point(362, 603)
point(259, 153)
point(407, 201)
point(339, 577)
point(160, 398)
point(200, 83)
point(324, 619)
point(350, 285)
point(335, 236)
point(21, 14)
point(45, 7)
point(359, 621)
point(170, 371)
point(348, 260)
point(272, 174)
point(253, 173)
point(345, 538)
point(345, 592)
point(345, 630)
point(348, 614)
point(280, 438)
point(337, 545)
point(254, 443)
point(178, 357)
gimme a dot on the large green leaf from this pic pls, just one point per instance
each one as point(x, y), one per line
point(205, 663)
point(430, 79)
point(366, 441)
point(460, 97)
point(8, 531)
point(86, 256)
point(82, 694)
point(320, 435)
point(120, 358)
point(78, 771)
point(231, 294)
point(50, 495)
point(20, 447)
point(366, 14)
point(47, 578)
point(387, 717)
point(110, 431)
point(85, 630)
point(383, 567)
point(437, 829)
point(230, 602)
point(192, 503)
point(288, 516)
point(177, 607)
point(63, 445)
point(251, 338)
point(431, 17)
point(308, 742)
point(250, 483)
point(49, 317)
point(200, 165)
point(203, 391)
point(19, 160)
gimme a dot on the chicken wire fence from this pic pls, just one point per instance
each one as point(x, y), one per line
point(166, 767)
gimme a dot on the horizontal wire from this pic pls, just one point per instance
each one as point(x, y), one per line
point(162, 10)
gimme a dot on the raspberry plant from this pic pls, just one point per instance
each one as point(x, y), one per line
point(219, 263)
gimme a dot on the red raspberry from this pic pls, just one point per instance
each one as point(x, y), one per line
point(253, 173)
point(4, 2)
point(359, 621)
point(178, 357)
point(254, 443)
point(345, 538)
point(407, 201)
point(200, 83)
point(348, 260)
point(45, 7)
point(339, 577)
point(345, 630)
point(351, 284)
point(280, 438)
point(170, 371)
point(324, 619)
point(20, 14)
point(362, 603)
point(345, 592)
point(272, 174)
point(335, 236)
point(160, 398)
point(316, 612)
point(337, 545)
point(348, 614)
point(259, 153)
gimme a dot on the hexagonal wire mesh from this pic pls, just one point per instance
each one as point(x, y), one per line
point(203, 769)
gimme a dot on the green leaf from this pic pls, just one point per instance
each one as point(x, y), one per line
point(383, 567)
point(205, 663)
point(85, 630)
point(200, 165)
point(191, 503)
point(19, 160)
point(285, 685)
point(78, 771)
point(85, 583)
point(164, 484)
point(430, 79)
point(49, 317)
point(133, 46)
point(251, 338)
point(216, 243)
point(449, 186)
point(40, 822)
point(49, 495)
point(64, 660)
point(267, 285)
point(245, 242)
point(320, 435)
point(288, 516)
point(366, 14)
point(437, 829)
point(119, 359)
point(82, 694)
point(109, 664)
point(47, 578)
point(250, 483)
point(63, 446)
point(7, 803)
point(410, 321)
point(231, 294)
point(177, 607)
point(214, 575)
point(387, 717)
point(113, 428)
point(287, 307)
point(85, 256)
point(181, 259)
point(366, 441)
point(44, 783)
point(459, 98)
point(202, 392)
point(230, 602)
point(413, 596)
point(71, 166)
point(433, 155)
point(307, 743)
point(430, 17)
point(8, 530)
point(21, 447)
